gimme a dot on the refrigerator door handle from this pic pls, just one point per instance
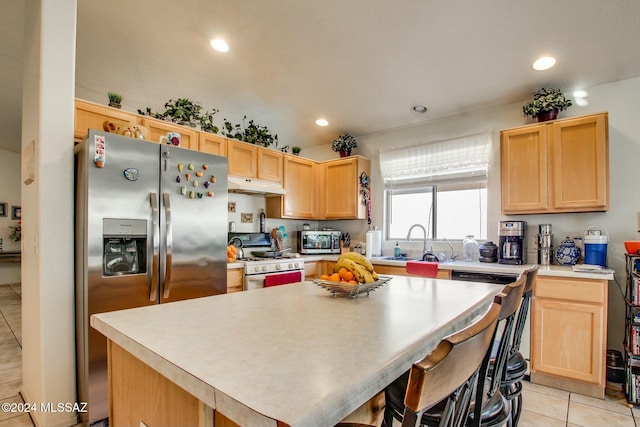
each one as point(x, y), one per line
point(169, 233)
point(153, 274)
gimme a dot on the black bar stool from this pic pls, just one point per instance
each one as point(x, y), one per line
point(488, 407)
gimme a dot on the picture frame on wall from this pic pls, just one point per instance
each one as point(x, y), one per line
point(3, 209)
point(16, 212)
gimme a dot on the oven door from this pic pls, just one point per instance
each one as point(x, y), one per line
point(257, 281)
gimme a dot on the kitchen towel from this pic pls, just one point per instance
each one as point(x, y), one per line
point(374, 243)
point(423, 268)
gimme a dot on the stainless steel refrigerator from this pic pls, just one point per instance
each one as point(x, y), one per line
point(150, 229)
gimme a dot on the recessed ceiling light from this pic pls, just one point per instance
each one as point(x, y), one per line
point(322, 122)
point(220, 45)
point(419, 109)
point(544, 63)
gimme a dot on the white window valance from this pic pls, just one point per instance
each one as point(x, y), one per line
point(465, 157)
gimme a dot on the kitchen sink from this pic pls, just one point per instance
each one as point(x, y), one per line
point(395, 258)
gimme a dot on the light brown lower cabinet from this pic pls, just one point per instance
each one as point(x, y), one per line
point(140, 395)
point(235, 278)
point(313, 270)
point(569, 334)
point(402, 271)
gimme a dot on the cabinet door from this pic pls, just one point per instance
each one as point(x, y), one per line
point(312, 270)
point(243, 159)
point(567, 340)
point(580, 152)
point(212, 144)
point(390, 269)
point(92, 116)
point(160, 128)
point(524, 160)
point(343, 198)
point(235, 278)
point(299, 184)
point(270, 165)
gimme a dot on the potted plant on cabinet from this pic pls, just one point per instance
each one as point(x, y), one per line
point(344, 144)
point(546, 104)
point(114, 100)
point(295, 150)
point(182, 111)
point(206, 121)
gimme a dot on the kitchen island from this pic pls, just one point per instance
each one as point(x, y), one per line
point(289, 355)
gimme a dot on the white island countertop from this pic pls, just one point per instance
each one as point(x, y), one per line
point(295, 354)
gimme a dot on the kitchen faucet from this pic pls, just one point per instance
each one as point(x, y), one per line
point(424, 245)
point(443, 258)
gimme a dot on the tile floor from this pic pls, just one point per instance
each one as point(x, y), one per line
point(543, 406)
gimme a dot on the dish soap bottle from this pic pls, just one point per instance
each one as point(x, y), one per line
point(396, 251)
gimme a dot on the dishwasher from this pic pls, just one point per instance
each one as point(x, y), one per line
point(498, 278)
point(501, 279)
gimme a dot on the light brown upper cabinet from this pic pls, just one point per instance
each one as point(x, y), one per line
point(250, 161)
point(92, 116)
point(558, 166)
point(160, 128)
point(343, 195)
point(212, 144)
point(299, 184)
point(243, 159)
point(270, 165)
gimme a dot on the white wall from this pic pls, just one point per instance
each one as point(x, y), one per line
point(48, 322)
point(619, 99)
point(9, 194)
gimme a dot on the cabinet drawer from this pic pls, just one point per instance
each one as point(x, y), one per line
point(561, 288)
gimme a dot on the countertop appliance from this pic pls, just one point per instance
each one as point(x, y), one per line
point(264, 266)
point(319, 242)
point(511, 246)
point(151, 224)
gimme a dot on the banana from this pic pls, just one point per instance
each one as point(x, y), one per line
point(374, 275)
point(368, 276)
point(353, 267)
point(360, 273)
point(359, 259)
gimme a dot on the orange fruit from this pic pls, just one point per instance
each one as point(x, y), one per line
point(335, 277)
point(345, 274)
point(353, 282)
point(324, 277)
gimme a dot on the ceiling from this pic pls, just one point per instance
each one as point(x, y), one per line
point(361, 64)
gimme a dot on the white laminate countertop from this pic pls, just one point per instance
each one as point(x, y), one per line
point(486, 267)
point(295, 353)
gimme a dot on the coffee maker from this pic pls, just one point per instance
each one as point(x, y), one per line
point(511, 247)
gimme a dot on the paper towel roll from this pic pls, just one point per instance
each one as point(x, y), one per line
point(374, 243)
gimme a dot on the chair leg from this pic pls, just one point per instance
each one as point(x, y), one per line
point(518, 410)
point(387, 421)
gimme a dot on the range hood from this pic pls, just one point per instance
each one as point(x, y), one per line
point(254, 186)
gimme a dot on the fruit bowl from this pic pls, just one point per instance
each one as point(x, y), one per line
point(632, 246)
point(349, 290)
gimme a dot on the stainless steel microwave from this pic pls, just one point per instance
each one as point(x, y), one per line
point(319, 242)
